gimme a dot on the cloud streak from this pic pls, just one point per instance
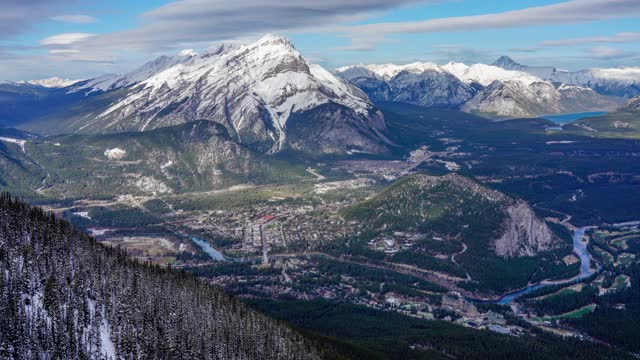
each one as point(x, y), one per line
point(568, 12)
point(75, 19)
point(65, 39)
point(609, 53)
point(201, 21)
point(18, 16)
point(619, 38)
point(574, 11)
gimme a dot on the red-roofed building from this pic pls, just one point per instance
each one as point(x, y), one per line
point(267, 218)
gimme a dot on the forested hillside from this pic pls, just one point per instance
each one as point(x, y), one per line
point(64, 296)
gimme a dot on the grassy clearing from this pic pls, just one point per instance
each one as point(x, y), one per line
point(575, 314)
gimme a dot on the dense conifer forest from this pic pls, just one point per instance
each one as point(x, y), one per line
point(64, 296)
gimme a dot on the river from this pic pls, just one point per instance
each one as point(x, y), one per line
point(579, 248)
point(213, 253)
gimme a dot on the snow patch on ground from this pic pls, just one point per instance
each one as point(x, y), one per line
point(15, 141)
point(84, 214)
point(115, 154)
point(108, 348)
point(98, 232)
point(152, 185)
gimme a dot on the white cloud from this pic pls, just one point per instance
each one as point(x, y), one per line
point(359, 47)
point(17, 16)
point(65, 39)
point(75, 19)
point(63, 51)
point(625, 37)
point(192, 22)
point(607, 53)
point(574, 11)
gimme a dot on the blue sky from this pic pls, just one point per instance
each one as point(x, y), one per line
point(87, 38)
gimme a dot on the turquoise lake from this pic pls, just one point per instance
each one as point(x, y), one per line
point(567, 118)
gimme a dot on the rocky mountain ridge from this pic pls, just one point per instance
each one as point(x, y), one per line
point(489, 90)
point(254, 90)
point(621, 82)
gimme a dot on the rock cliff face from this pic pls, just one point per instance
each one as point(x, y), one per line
point(525, 234)
point(632, 105)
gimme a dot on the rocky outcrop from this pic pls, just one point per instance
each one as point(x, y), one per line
point(524, 234)
point(632, 105)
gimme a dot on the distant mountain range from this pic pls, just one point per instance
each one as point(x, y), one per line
point(504, 89)
point(619, 82)
point(272, 99)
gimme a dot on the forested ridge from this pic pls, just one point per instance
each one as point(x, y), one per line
point(64, 296)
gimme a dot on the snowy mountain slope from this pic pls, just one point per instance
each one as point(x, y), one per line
point(424, 84)
point(115, 81)
point(54, 82)
point(431, 88)
point(486, 74)
point(387, 71)
point(621, 82)
point(486, 89)
point(251, 89)
point(511, 99)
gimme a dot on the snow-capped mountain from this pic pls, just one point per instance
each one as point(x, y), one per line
point(424, 84)
point(387, 71)
point(620, 82)
point(489, 90)
point(543, 72)
point(431, 88)
point(514, 99)
point(268, 96)
point(487, 74)
point(54, 82)
point(115, 81)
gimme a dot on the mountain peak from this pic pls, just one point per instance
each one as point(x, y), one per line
point(188, 53)
point(273, 39)
point(504, 61)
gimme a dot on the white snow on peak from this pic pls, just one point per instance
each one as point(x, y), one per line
point(388, 71)
point(116, 81)
point(54, 82)
point(101, 83)
point(221, 48)
point(480, 73)
point(188, 53)
point(268, 73)
point(486, 74)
